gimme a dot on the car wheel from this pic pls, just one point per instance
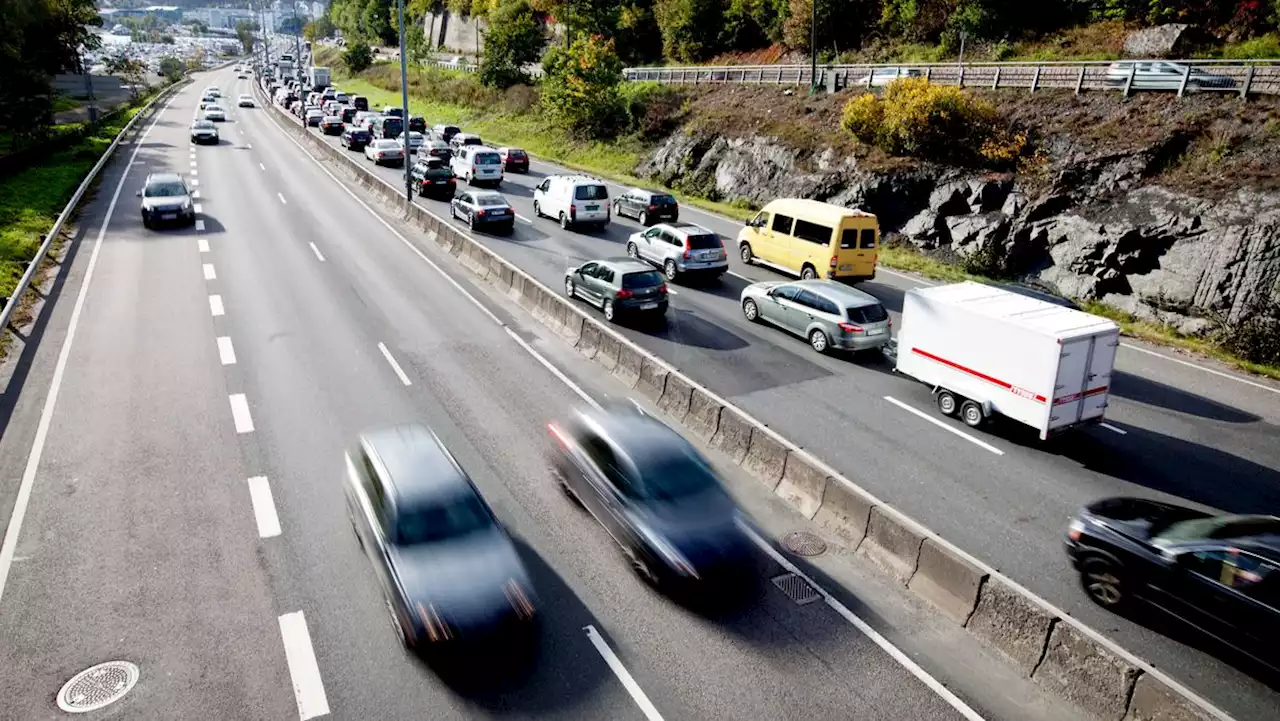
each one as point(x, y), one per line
point(633, 251)
point(818, 339)
point(146, 223)
point(947, 403)
point(669, 269)
point(971, 414)
point(751, 310)
point(471, 221)
point(744, 252)
point(643, 218)
point(570, 288)
point(808, 273)
point(1101, 580)
point(608, 311)
point(537, 210)
point(564, 222)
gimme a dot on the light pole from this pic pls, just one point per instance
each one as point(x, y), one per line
point(813, 47)
point(404, 104)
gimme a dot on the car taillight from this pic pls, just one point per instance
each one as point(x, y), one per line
point(662, 289)
point(624, 294)
point(652, 207)
point(381, 154)
point(833, 261)
point(480, 213)
point(558, 434)
point(573, 211)
point(890, 322)
point(850, 328)
point(686, 253)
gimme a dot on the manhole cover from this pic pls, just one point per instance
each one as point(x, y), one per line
point(803, 543)
point(796, 588)
point(95, 687)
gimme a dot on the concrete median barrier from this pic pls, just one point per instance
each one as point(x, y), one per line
point(1085, 673)
point(766, 457)
point(1011, 624)
point(474, 260)
point(804, 483)
point(733, 436)
point(675, 397)
point(610, 350)
point(947, 581)
point(1154, 700)
point(845, 511)
point(892, 543)
point(530, 295)
point(500, 273)
point(549, 311)
point(703, 418)
point(571, 328)
point(652, 382)
point(589, 341)
point(630, 361)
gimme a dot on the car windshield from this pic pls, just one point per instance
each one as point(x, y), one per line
point(213, 109)
point(202, 125)
point(662, 200)
point(393, 126)
point(490, 201)
point(1217, 527)
point(591, 192)
point(673, 474)
point(440, 521)
point(387, 144)
point(488, 159)
point(704, 241)
point(644, 279)
point(515, 153)
point(165, 189)
point(868, 314)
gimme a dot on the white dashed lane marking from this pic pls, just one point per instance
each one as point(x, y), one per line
point(215, 305)
point(199, 225)
point(281, 197)
point(264, 507)
point(308, 688)
point(226, 351)
point(394, 365)
point(316, 250)
point(209, 272)
point(202, 244)
point(240, 413)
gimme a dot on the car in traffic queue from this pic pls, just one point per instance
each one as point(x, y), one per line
point(166, 199)
point(331, 125)
point(514, 160)
point(483, 209)
point(655, 495)
point(432, 178)
point(618, 287)
point(812, 239)
point(348, 113)
point(360, 103)
point(417, 124)
point(450, 573)
point(214, 91)
point(384, 152)
point(881, 77)
point(215, 113)
point(341, 97)
point(647, 206)
point(314, 117)
point(1217, 573)
point(204, 131)
point(207, 100)
point(394, 111)
point(827, 313)
point(438, 149)
point(460, 140)
point(445, 132)
point(362, 118)
point(355, 138)
point(386, 126)
point(477, 165)
point(1164, 75)
point(245, 101)
point(573, 200)
point(416, 141)
point(680, 249)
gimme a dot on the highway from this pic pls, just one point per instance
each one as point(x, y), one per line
point(1177, 428)
point(172, 459)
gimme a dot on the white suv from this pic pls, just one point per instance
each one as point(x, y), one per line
point(573, 200)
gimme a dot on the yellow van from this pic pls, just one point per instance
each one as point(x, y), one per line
point(812, 239)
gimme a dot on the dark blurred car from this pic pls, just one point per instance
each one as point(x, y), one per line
point(484, 209)
point(359, 102)
point(1220, 574)
point(166, 199)
point(514, 160)
point(417, 124)
point(437, 149)
point(654, 494)
point(355, 138)
point(331, 125)
point(432, 178)
point(445, 132)
point(450, 573)
point(314, 117)
point(618, 286)
point(394, 111)
point(647, 206)
point(348, 113)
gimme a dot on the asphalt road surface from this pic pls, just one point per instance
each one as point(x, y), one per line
point(1176, 429)
point(172, 454)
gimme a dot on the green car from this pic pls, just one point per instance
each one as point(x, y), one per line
point(618, 286)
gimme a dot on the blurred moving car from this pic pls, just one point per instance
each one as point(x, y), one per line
point(514, 160)
point(215, 113)
point(384, 152)
point(207, 100)
point(647, 206)
point(483, 209)
point(680, 249)
point(213, 90)
point(331, 125)
point(432, 178)
point(166, 199)
point(655, 495)
point(618, 286)
point(829, 314)
point(1220, 574)
point(416, 141)
point(314, 117)
point(418, 124)
point(449, 571)
point(245, 101)
point(880, 77)
point(1164, 75)
point(438, 149)
point(348, 113)
point(204, 131)
point(445, 132)
point(355, 138)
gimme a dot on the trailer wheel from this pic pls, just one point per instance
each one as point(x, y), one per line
point(971, 414)
point(947, 403)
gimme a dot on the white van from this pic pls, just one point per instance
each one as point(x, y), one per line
point(573, 200)
point(477, 164)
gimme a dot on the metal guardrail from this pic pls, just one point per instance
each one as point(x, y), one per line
point(1243, 78)
point(33, 266)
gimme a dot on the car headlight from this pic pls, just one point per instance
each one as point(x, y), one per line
point(1075, 529)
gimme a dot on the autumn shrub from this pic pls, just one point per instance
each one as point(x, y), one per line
point(580, 86)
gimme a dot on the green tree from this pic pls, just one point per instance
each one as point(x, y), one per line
point(321, 27)
point(690, 28)
point(580, 85)
point(515, 39)
point(128, 69)
point(358, 56)
point(172, 68)
point(197, 27)
point(638, 36)
point(244, 33)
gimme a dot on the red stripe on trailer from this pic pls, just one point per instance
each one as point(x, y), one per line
point(1078, 396)
point(1022, 392)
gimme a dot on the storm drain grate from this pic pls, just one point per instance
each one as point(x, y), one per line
point(98, 686)
point(796, 588)
point(803, 543)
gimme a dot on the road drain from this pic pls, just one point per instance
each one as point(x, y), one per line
point(803, 543)
point(96, 687)
point(796, 588)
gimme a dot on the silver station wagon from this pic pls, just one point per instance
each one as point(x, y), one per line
point(829, 314)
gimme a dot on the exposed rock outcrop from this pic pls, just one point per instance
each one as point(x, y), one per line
point(1160, 41)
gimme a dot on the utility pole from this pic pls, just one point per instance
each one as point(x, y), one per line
point(813, 47)
point(404, 104)
point(297, 42)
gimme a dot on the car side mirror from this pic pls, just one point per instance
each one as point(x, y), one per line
point(772, 292)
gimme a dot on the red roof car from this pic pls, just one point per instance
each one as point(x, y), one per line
point(514, 160)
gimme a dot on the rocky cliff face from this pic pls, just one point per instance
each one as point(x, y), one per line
point(1094, 225)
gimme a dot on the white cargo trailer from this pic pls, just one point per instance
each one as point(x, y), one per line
point(986, 350)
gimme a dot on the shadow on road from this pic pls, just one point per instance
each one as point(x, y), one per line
point(1152, 393)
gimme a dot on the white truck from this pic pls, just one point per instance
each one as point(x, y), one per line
point(986, 350)
point(318, 78)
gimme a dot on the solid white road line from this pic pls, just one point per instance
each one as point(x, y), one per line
point(199, 225)
point(548, 365)
point(202, 244)
point(308, 689)
point(1206, 369)
point(316, 250)
point(944, 426)
point(23, 499)
point(521, 217)
point(240, 413)
point(226, 351)
point(199, 208)
point(893, 651)
point(264, 508)
point(1110, 427)
point(615, 665)
point(394, 365)
point(740, 276)
point(209, 272)
point(215, 305)
point(281, 197)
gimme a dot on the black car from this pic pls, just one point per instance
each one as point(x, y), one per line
point(418, 124)
point(432, 178)
point(655, 494)
point(1219, 573)
point(445, 132)
point(348, 113)
point(437, 149)
point(166, 199)
point(356, 138)
point(647, 206)
point(484, 209)
point(359, 102)
point(450, 573)
point(331, 125)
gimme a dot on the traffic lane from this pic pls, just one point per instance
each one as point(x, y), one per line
point(486, 402)
point(136, 520)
